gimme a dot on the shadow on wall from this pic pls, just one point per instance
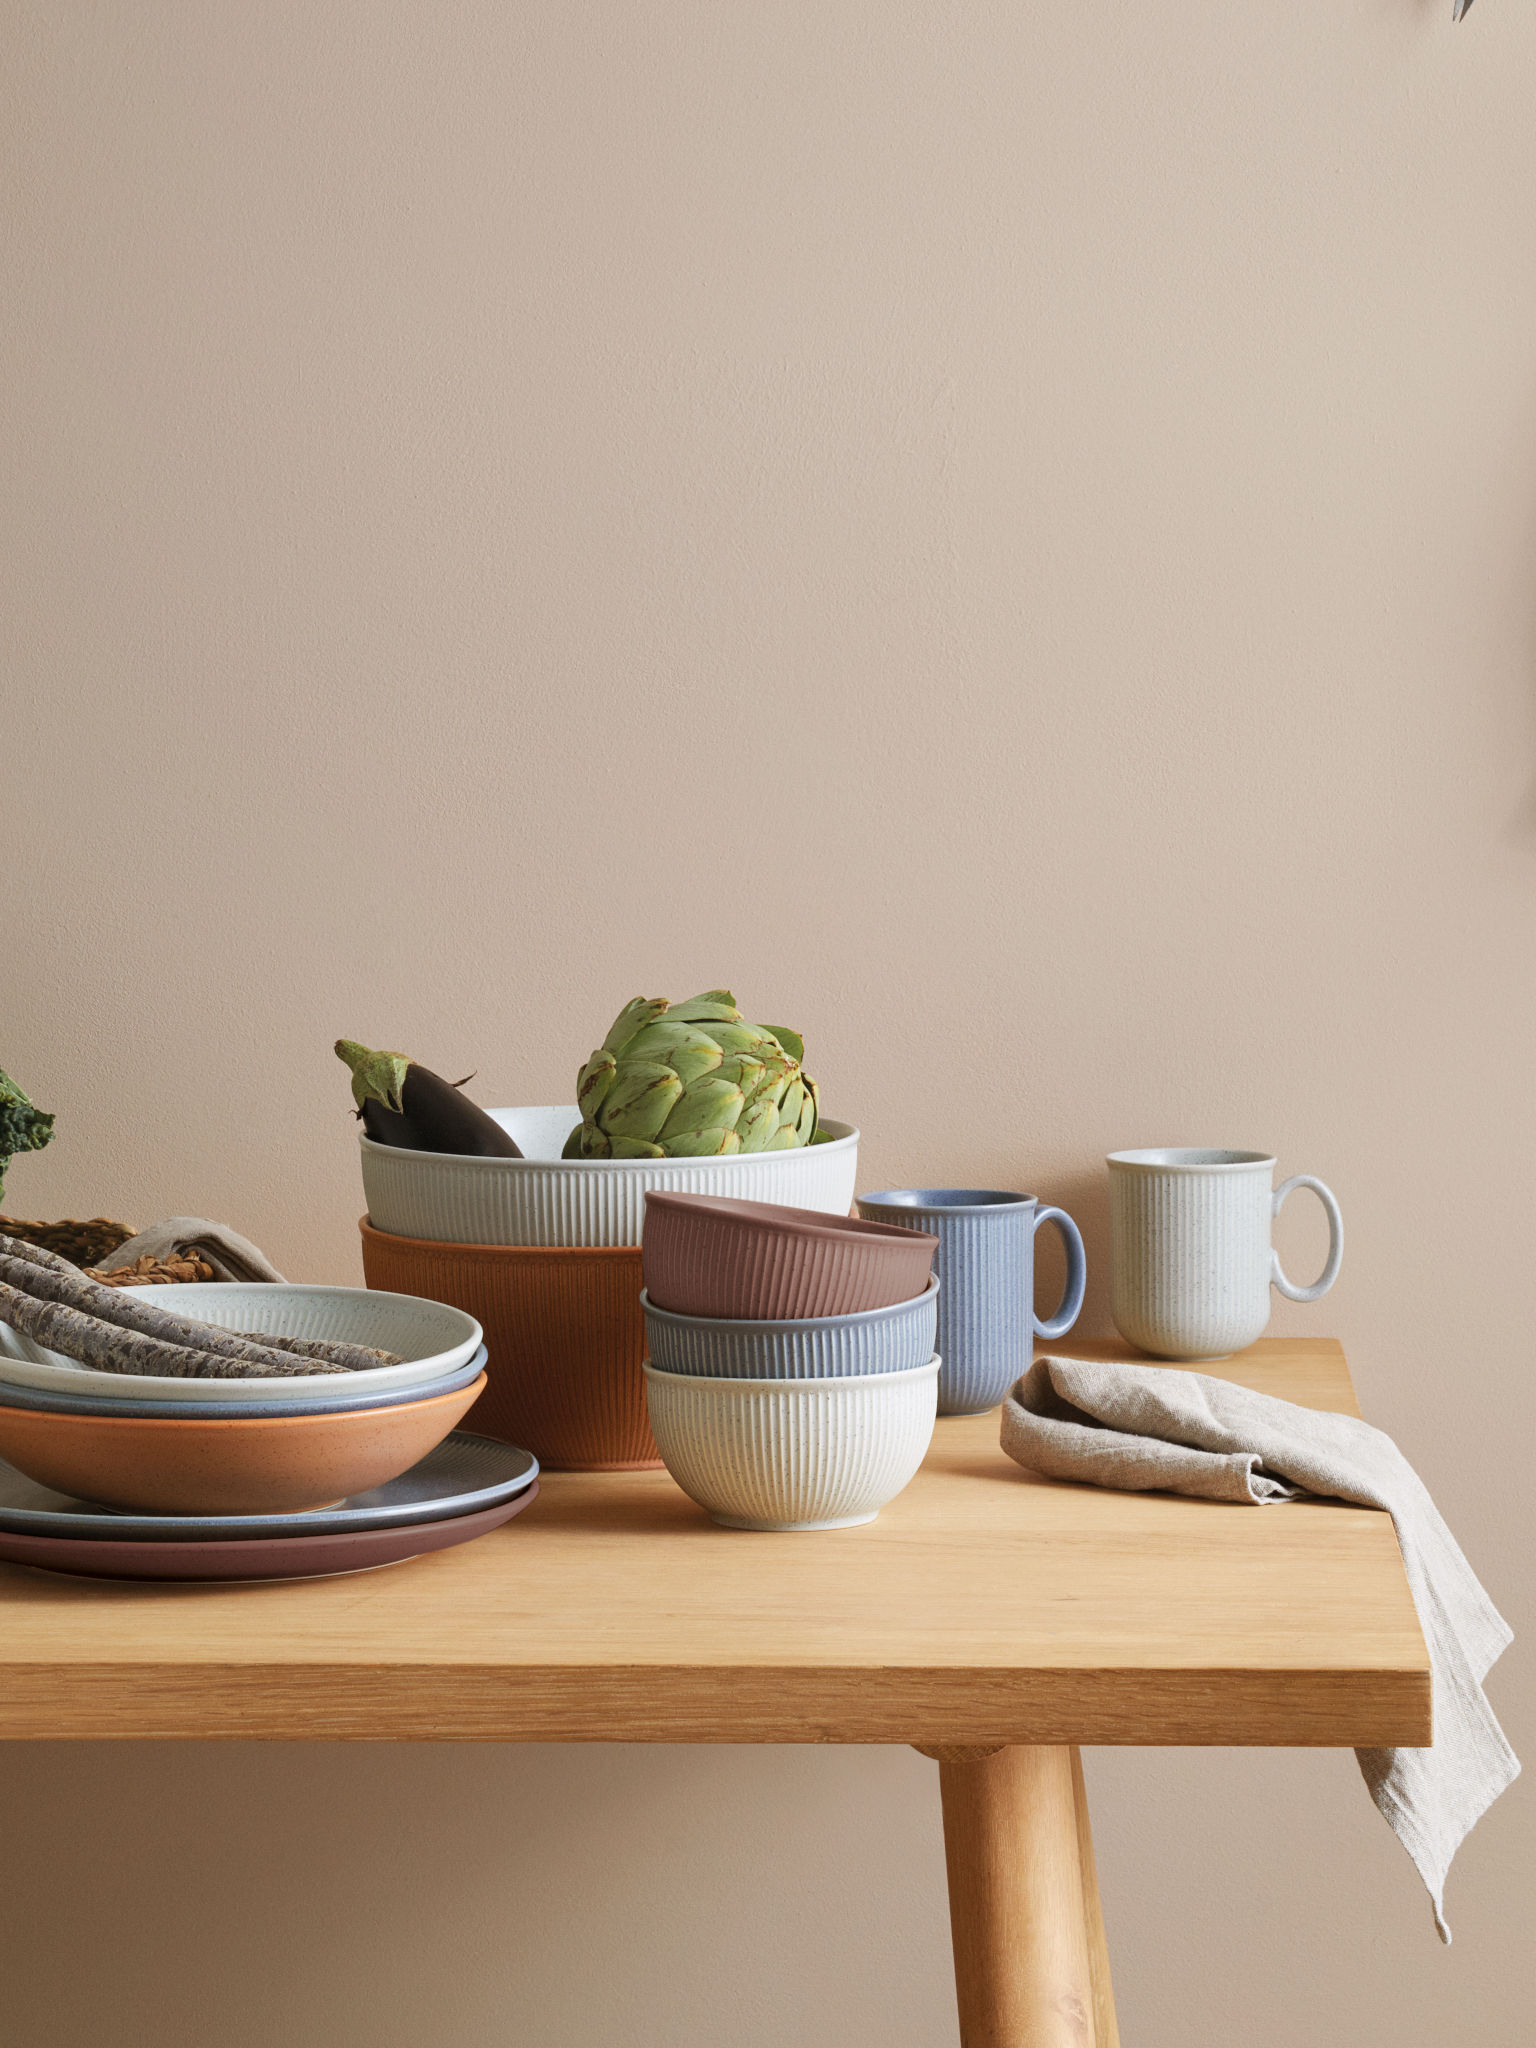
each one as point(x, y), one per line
point(389, 1895)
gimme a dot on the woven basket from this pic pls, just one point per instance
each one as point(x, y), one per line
point(83, 1244)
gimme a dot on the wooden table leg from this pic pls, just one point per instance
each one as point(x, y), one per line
point(1106, 2026)
point(1021, 1899)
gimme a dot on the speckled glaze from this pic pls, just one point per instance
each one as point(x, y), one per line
point(793, 1454)
point(564, 1337)
point(542, 1199)
point(459, 1476)
point(260, 1558)
point(1191, 1261)
point(273, 1464)
point(986, 1262)
point(801, 1348)
point(761, 1262)
point(331, 1402)
point(429, 1338)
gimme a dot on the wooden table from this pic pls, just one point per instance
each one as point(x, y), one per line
point(991, 1619)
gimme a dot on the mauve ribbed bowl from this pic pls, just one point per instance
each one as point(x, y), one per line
point(234, 1465)
point(890, 1339)
point(760, 1262)
point(793, 1454)
point(542, 1199)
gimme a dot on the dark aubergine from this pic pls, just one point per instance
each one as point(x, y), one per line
point(406, 1105)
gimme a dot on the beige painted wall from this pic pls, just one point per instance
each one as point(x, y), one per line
point(1004, 533)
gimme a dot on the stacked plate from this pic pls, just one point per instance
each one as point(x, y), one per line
point(124, 1475)
point(791, 1377)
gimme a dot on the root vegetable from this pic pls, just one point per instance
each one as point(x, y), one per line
point(108, 1347)
point(48, 1278)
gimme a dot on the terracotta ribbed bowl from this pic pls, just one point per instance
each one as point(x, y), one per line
point(243, 1465)
point(564, 1334)
point(705, 1256)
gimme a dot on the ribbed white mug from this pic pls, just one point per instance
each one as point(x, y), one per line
point(1191, 1254)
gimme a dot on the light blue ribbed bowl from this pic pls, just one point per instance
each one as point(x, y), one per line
point(891, 1339)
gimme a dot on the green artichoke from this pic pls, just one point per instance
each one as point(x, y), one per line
point(22, 1128)
point(690, 1081)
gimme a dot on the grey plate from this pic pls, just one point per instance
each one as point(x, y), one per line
point(465, 1473)
point(233, 1411)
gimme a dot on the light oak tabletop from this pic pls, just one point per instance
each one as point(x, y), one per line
point(984, 1606)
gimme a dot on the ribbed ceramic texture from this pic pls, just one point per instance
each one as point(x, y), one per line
point(703, 1258)
point(1190, 1258)
point(828, 1347)
point(545, 1200)
point(464, 1474)
point(564, 1334)
point(206, 1411)
point(264, 1557)
point(430, 1340)
point(793, 1454)
point(986, 1263)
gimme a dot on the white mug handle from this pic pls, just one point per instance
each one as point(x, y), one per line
point(1330, 1272)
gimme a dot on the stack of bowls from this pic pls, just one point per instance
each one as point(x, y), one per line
point(791, 1381)
point(99, 1462)
point(545, 1252)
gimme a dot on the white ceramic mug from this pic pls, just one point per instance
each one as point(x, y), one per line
point(1191, 1257)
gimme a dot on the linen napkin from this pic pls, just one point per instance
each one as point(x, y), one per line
point(231, 1256)
point(1141, 1427)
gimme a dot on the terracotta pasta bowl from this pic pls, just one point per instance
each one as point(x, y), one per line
point(270, 1464)
point(706, 1256)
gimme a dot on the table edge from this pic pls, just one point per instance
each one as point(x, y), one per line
point(1300, 1708)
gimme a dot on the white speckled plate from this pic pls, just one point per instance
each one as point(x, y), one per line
point(429, 1337)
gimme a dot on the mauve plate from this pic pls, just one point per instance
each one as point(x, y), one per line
point(50, 1403)
point(465, 1474)
point(256, 1558)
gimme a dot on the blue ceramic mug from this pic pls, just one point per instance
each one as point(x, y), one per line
point(986, 1268)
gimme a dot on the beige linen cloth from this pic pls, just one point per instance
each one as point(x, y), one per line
point(231, 1256)
point(1141, 1427)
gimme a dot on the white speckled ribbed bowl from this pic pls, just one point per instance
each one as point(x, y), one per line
point(543, 1199)
point(793, 1454)
point(890, 1339)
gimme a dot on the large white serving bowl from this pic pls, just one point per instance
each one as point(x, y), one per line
point(793, 1454)
point(542, 1199)
point(430, 1338)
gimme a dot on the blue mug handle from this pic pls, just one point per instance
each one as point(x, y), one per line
point(1071, 1305)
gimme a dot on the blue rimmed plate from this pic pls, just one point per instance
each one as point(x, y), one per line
point(260, 1559)
point(463, 1475)
point(53, 1403)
